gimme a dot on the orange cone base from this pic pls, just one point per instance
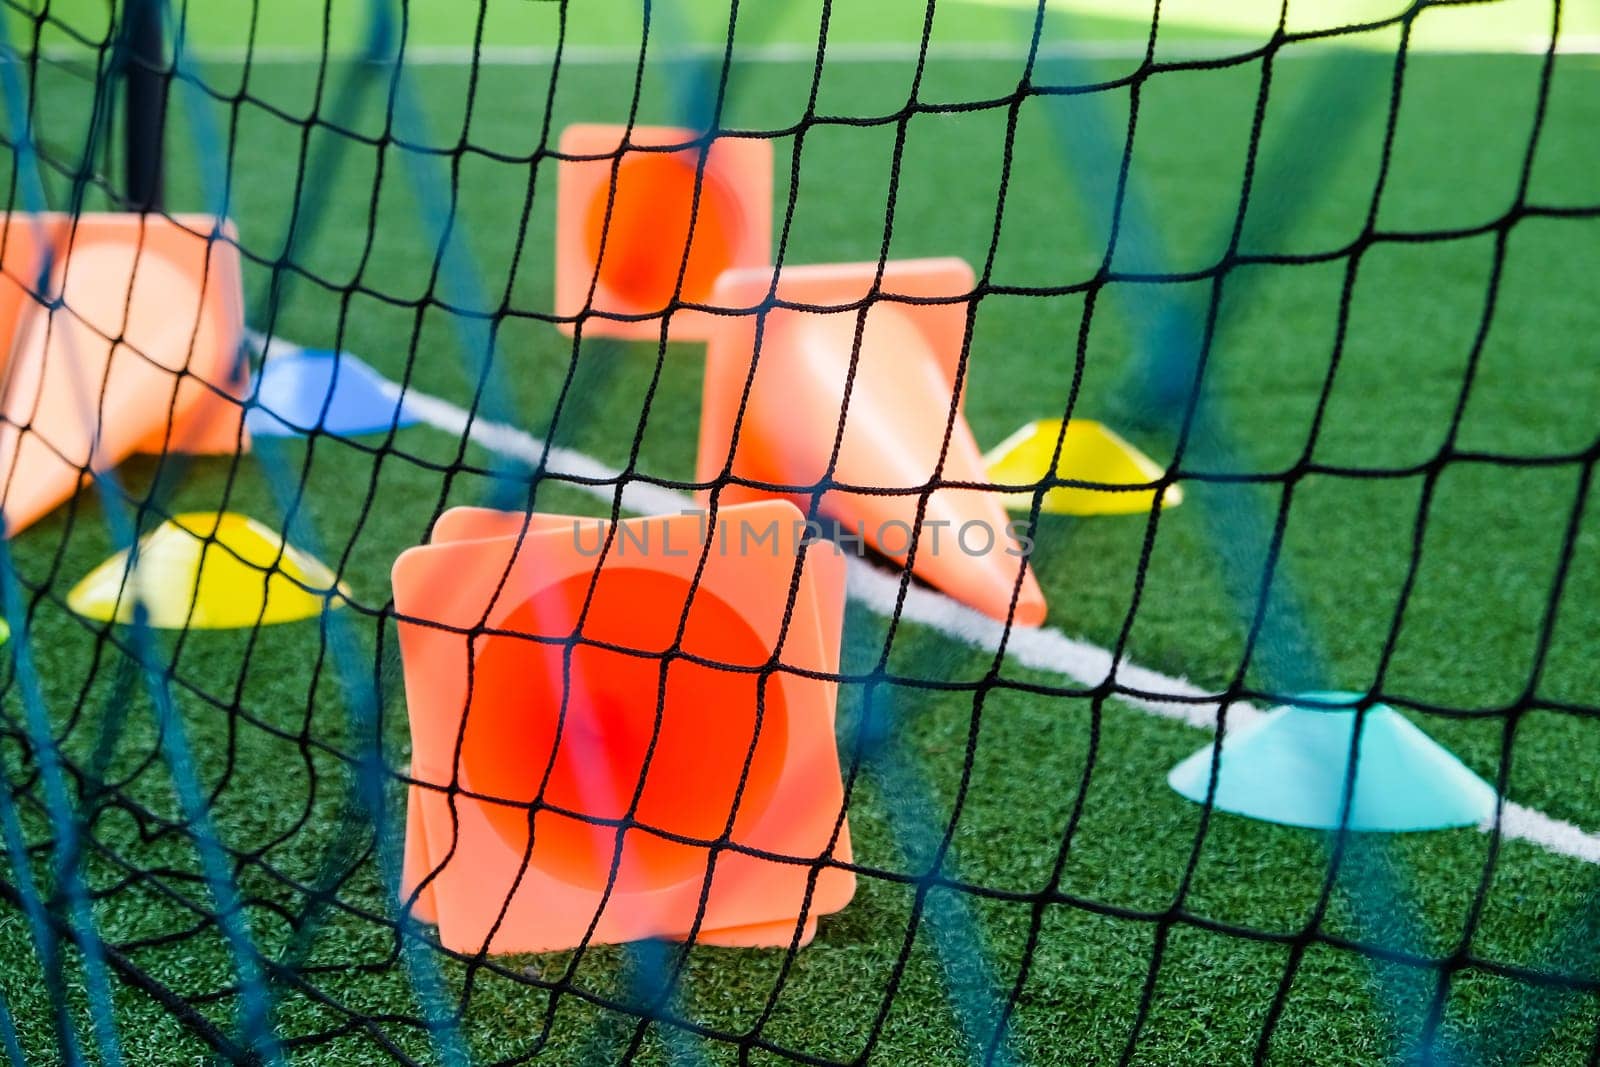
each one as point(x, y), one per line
point(646, 228)
point(900, 401)
point(497, 597)
point(418, 865)
point(74, 399)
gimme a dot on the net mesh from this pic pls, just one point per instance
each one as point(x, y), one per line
point(1251, 253)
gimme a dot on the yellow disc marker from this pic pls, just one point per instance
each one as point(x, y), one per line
point(209, 571)
point(1090, 452)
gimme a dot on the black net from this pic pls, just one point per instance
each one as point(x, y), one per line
point(1336, 273)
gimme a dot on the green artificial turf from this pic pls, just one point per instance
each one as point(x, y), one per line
point(268, 717)
point(292, 25)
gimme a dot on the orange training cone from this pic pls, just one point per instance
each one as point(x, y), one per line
point(142, 357)
point(514, 721)
point(898, 407)
point(647, 237)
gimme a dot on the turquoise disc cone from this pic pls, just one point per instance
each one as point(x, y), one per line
point(1290, 766)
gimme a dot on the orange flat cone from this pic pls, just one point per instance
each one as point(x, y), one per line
point(898, 408)
point(142, 358)
point(648, 234)
point(490, 713)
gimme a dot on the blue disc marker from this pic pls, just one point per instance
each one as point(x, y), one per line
point(1290, 766)
point(295, 388)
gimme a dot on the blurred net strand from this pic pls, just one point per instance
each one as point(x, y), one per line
point(1503, 225)
point(179, 761)
point(1233, 528)
point(1171, 389)
point(365, 803)
point(1426, 1037)
point(37, 733)
point(648, 963)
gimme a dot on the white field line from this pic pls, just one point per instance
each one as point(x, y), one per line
point(1044, 648)
point(806, 53)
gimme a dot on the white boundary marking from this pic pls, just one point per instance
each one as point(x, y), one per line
point(1043, 648)
point(859, 52)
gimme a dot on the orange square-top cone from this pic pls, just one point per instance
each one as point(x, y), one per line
point(630, 246)
point(514, 722)
point(143, 356)
point(901, 399)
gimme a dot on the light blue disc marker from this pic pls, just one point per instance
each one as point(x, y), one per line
point(1290, 766)
point(295, 387)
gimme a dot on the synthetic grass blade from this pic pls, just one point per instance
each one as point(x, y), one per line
point(65, 827)
point(969, 982)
